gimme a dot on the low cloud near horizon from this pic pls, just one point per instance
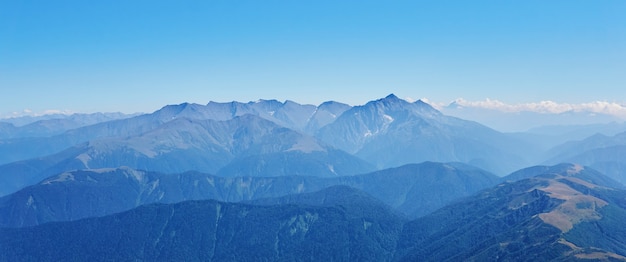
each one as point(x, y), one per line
point(30, 113)
point(544, 107)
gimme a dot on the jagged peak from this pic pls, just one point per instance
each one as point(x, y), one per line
point(333, 106)
point(290, 102)
point(173, 109)
point(454, 105)
point(423, 104)
point(181, 105)
point(328, 103)
point(392, 96)
point(388, 100)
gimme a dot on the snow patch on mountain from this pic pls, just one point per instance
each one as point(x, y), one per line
point(136, 174)
point(30, 201)
point(103, 170)
point(388, 118)
point(84, 158)
point(332, 169)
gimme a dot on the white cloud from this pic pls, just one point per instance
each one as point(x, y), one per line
point(547, 107)
point(29, 112)
point(56, 112)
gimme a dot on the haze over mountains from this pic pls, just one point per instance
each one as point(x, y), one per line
point(257, 138)
point(525, 116)
point(389, 180)
point(559, 213)
point(413, 190)
point(564, 214)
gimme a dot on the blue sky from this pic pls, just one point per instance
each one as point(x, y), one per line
point(136, 56)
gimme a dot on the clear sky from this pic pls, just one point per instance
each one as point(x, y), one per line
point(136, 56)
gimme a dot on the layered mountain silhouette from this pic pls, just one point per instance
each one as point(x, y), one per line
point(390, 180)
point(211, 230)
point(412, 190)
point(563, 213)
point(390, 132)
point(604, 153)
point(50, 125)
point(265, 138)
point(589, 174)
point(243, 146)
point(288, 114)
point(26, 158)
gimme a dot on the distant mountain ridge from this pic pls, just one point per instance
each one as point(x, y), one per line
point(522, 117)
point(210, 231)
point(390, 180)
point(303, 118)
point(51, 125)
point(231, 139)
point(561, 215)
point(288, 114)
point(604, 153)
point(78, 118)
point(391, 132)
point(412, 190)
point(577, 170)
point(251, 145)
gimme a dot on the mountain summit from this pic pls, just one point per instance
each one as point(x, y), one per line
point(391, 132)
point(266, 138)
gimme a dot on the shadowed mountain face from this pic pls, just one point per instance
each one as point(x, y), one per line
point(265, 138)
point(21, 147)
point(555, 216)
point(244, 146)
point(412, 190)
point(391, 132)
point(211, 230)
point(298, 182)
point(183, 137)
point(18, 149)
point(349, 198)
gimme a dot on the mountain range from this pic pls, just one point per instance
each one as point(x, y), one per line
point(52, 124)
point(390, 180)
point(533, 117)
point(415, 132)
point(557, 215)
point(265, 138)
point(565, 213)
point(412, 190)
point(246, 145)
point(602, 152)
